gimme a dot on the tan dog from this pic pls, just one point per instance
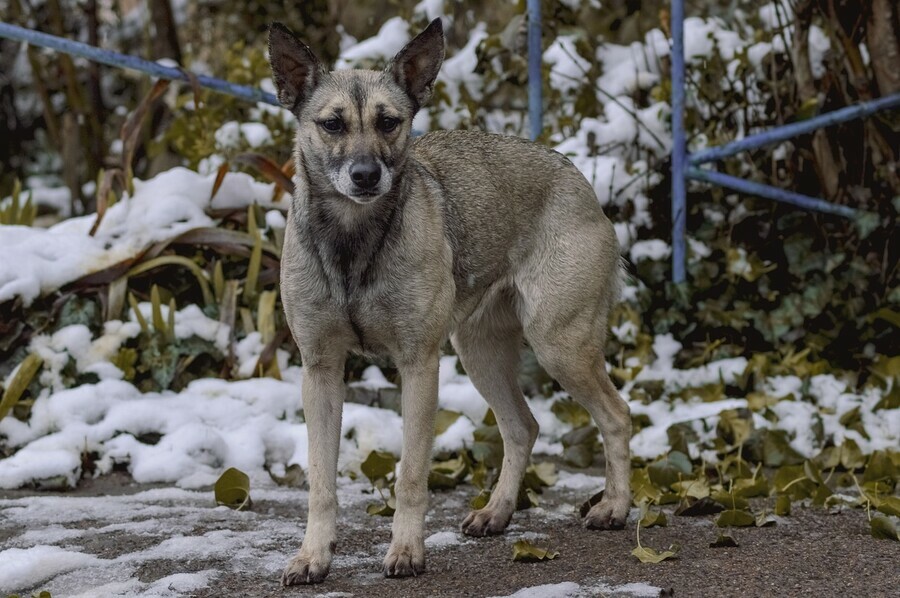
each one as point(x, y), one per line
point(395, 243)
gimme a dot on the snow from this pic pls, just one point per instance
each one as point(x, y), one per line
point(654, 250)
point(26, 567)
point(230, 134)
point(568, 70)
point(37, 261)
point(393, 35)
point(569, 589)
point(550, 590)
point(579, 481)
point(431, 9)
point(443, 539)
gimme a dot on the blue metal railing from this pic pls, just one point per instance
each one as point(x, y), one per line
point(252, 94)
point(679, 204)
point(686, 166)
point(535, 78)
point(108, 57)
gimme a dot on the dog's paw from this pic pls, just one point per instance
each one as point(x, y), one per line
point(405, 560)
point(485, 522)
point(303, 570)
point(607, 514)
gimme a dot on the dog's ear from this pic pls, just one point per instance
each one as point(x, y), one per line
point(295, 68)
point(416, 66)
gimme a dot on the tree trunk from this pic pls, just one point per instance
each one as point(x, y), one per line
point(165, 40)
point(883, 41)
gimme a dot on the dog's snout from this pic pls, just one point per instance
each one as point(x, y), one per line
point(365, 174)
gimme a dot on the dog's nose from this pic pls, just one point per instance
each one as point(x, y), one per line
point(365, 174)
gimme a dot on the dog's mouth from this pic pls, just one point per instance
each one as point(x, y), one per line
point(364, 196)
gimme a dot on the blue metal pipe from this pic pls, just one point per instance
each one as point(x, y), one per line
point(786, 132)
point(679, 146)
point(108, 57)
point(782, 195)
point(535, 56)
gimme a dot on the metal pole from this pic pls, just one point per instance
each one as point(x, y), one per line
point(535, 55)
point(108, 57)
point(679, 146)
point(787, 132)
point(782, 195)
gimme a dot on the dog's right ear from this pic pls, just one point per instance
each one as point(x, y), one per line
point(295, 68)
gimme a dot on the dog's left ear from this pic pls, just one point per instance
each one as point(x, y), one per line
point(295, 69)
point(416, 66)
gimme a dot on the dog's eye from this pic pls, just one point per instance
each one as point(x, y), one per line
point(388, 123)
point(333, 125)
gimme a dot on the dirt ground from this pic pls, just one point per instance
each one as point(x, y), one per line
point(810, 553)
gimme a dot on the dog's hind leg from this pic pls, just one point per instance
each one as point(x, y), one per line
point(323, 399)
point(490, 350)
point(419, 394)
point(567, 289)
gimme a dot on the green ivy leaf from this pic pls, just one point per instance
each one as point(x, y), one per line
point(487, 447)
point(783, 505)
point(579, 446)
point(851, 455)
point(294, 476)
point(691, 489)
point(568, 411)
point(378, 466)
point(671, 468)
point(724, 541)
point(443, 420)
point(642, 488)
point(481, 500)
point(880, 467)
point(750, 488)
point(730, 500)
point(654, 519)
point(699, 507)
point(883, 528)
point(383, 509)
point(763, 519)
point(586, 505)
point(539, 476)
point(735, 518)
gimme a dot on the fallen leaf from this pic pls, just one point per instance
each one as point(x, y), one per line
point(724, 541)
point(526, 552)
point(232, 490)
point(649, 555)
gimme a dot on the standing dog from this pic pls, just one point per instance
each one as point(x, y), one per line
point(394, 243)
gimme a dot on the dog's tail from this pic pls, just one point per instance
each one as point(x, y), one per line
point(618, 282)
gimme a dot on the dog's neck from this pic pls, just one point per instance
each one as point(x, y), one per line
point(347, 237)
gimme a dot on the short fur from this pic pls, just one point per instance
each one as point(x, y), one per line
point(487, 239)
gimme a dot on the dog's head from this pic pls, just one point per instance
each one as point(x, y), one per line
point(354, 126)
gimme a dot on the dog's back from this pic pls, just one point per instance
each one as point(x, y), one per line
point(505, 197)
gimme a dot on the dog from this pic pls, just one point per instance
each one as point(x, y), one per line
point(395, 243)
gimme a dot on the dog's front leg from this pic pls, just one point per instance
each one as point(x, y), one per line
point(323, 401)
point(406, 555)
